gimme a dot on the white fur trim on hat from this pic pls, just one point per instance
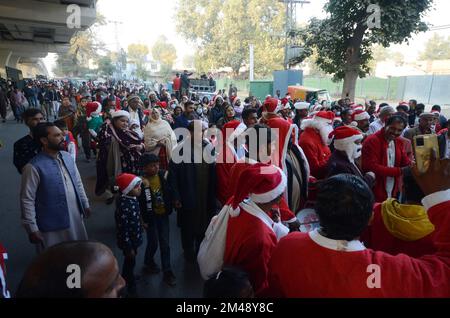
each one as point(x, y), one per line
point(272, 194)
point(362, 116)
point(120, 113)
point(339, 144)
point(136, 181)
point(301, 105)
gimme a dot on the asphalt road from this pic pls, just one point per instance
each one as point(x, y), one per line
point(100, 227)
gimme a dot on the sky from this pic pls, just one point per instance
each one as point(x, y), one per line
point(143, 21)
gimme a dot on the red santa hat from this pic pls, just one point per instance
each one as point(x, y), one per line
point(162, 104)
point(93, 107)
point(326, 116)
point(359, 115)
point(344, 140)
point(345, 133)
point(358, 107)
point(271, 105)
point(127, 182)
point(262, 183)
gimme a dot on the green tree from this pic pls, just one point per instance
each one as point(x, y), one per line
point(437, 48)
point(106, 65)
point(137, 53)
point(84, 46)
point(142, 72)
point(189, 61)
point(345, 38)
point(222, 30)
point(164, 52)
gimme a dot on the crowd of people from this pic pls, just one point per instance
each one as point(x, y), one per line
point(273, 198)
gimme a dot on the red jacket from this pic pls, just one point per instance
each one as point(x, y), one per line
point(176, 84)
point(249, 245)
point(377, 237)
point(374, 158)
point(315, 151)
point(322, 271)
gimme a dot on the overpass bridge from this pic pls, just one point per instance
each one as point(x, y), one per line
point(30, 29)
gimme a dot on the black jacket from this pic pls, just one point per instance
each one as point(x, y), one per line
point(339, 163)
point(147, 213)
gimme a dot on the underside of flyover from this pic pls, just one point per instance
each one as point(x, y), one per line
point(30, 29)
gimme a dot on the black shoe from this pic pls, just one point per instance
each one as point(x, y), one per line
point(169, 278)
point(151, 268)
point(110, 200)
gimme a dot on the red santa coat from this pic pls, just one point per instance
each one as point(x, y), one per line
point(228, 158)
point(286, 214)
point(374, 158)
point(315, 151)
point(249, 245)
point(378, 238)
point(322, 270)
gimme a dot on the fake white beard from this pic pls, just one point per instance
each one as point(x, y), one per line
point(325, 131)
point(352, 150)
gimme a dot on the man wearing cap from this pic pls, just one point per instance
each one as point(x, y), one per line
point(301, 112)
point(286, 110)
point(270, 109)
point(314, 142)
point(426, 120)
point(252, 233)
point(135, 110)
point(378, 124)
point(347, 148)
point(360, 120)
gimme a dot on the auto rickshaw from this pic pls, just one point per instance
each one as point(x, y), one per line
point(308, 94)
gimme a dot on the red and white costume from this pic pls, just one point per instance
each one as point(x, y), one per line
point(330, 268)
point(313, 141)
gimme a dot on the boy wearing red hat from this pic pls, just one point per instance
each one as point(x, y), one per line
point(129, 225)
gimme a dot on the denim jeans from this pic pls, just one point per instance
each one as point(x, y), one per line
point(158, 232)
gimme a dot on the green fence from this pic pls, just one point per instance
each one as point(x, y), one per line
point(366, 88)
point(224, 83)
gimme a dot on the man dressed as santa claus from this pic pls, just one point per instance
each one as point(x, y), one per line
point(253, 230)
point(347, 148)
point(314, 142)
point(334, 263)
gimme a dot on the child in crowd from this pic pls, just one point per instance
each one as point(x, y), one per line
point(156, 207)
point(129, 225)
point(231, 282)
point(70, 142)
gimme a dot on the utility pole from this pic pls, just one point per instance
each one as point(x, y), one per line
point(118, 47)
point(252, 63)
point(290, 26)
